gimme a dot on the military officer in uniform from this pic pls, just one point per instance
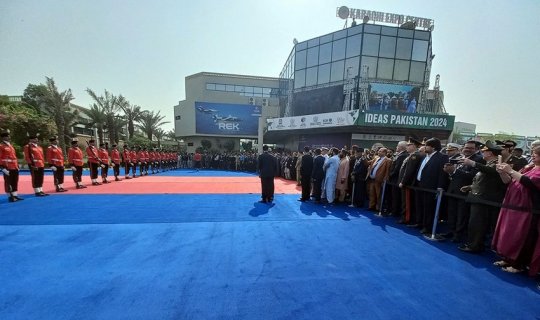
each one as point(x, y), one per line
point(93, 161)
point(103, 155)
point(76, 162)
point(33, 154)
point(9, 167)
point(55, 159)
point(115, 161)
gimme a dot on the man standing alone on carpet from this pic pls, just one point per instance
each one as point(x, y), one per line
point(306, 168)
point(267, 170)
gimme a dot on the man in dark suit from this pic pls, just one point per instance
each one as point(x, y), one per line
point(317, 175)
point(488, 186)
point(407, 174)
point(393, 178)
point(460, 175)
point(358, 177)
point(430, 176)
point(267, 170)
point(305, 174)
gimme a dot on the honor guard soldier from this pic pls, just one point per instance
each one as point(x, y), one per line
point(9, 166)
point(55, 159)
point(33, 154)
point(93, 161)
point(126, 155)
point(152, 160)
point(134, 161)
point(75, 159)
point(103, 156)
point(140, 160)
point(146, 160)
point(115, 161)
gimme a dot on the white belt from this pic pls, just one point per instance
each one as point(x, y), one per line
point(8, 160)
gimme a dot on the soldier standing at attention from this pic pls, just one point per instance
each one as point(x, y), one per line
point(93, 161)
point(33, 154)
point(115, 160)
point(9, 166)
point(75, 159)
point(103, 155)
point(55, 159)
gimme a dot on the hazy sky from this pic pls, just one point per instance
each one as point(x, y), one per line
point(486, 51)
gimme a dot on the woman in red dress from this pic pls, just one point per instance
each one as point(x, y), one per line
point(516, 237)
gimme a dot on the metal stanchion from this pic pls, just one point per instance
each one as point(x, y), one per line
point(352, 196)
point(382, 199)
point(434, 236)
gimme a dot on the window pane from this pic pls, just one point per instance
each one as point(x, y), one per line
point(421, 35)
point(354, 30)
point(404, 47)
point(229, 87)
point(312, 56)
point(419, 52)
point(239, 88)
point(385, 68)
point(388, 47)
point(337, 71)
point(354, 44)
point(325, 53)
point(324, 74)
point(248, 90)
point(301, 46)
point(300, 60)
point(371, 45)
point(257, 90)
point(220, 87)
point(389, 31)
point(326, 38)
point(401, 70)
point(300, 78)
point(406, 33)
point(371, 63)
point(340, 34)
point(370, 28)
point(351, 67)
point(338, 50)
point(267, 91)
point(417, 71)
point(313, 42)
point(311, 76)
point(210, 86)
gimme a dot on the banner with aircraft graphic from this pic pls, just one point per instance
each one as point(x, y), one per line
point(227, 119)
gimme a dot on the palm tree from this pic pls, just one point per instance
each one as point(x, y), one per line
point(108, 103)
point(171, 135)
point(159, 134)
point(98, 119)
point(150, 122)
point(132, 113)
point(57, 104)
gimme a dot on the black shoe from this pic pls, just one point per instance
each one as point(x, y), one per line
point(301, 200)
point(466, 248)
point(413, 225)
point(12, 199)
point(96, 183)
point(448, 235)
point(425, 231)
point(117, 179)
point(43, 194)
point(61, 190)
point(18, 198)
point(40, 194)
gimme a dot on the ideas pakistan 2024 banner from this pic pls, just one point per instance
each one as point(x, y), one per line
point(227, 119)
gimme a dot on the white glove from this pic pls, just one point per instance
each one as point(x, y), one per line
point(73, 169)
point(5, 171)
point(103, 166)
point(53, 168)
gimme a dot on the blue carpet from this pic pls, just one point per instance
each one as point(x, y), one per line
point(229, 257)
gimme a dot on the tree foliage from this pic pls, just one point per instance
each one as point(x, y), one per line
point(150, 122)
point(206, 144)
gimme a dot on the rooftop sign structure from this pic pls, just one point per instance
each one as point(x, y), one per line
point(366, 15)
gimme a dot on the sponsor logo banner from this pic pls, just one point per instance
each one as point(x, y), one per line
point(322, 120)
point(227, 119)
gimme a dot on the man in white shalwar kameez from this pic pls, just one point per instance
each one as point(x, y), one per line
point(331, 167)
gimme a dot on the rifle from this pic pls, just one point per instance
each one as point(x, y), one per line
point(94, 154)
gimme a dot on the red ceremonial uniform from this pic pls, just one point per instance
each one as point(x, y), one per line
point(8, 157)
point(92, 154)
point(55, 156)
point(103, 155)
point(75, 156)
point(115, 156)
point(33, 154)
